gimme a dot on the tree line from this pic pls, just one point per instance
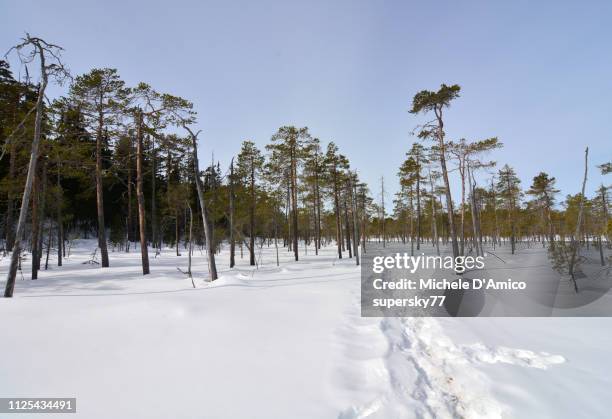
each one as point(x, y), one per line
point(120, 163)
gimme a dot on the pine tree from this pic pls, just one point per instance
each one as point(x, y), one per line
point(509, 192)
point(427, 101)
point(288, 153)
point(249, 166)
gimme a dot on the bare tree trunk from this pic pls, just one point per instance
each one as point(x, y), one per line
point(252, 216)
point(212, 266)
point(144, 252)
point(576, 238)
point(25, 200)
point(99, 195)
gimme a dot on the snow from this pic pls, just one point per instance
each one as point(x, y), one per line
point(280, 342)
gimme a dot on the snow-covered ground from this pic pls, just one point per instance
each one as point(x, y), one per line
point(280, 342)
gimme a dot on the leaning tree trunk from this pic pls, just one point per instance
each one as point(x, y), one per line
point(140, 197)
point(212, 266)
point(100, 196)
point(25, 200)
point(449, 199)
point(475, 226)
point(576, 238)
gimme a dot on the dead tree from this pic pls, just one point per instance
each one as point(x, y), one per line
point(30, 49)
point(576, 238)
point(212, 267)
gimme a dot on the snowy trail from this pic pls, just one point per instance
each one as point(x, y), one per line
point(416, 371)
point(278, 342)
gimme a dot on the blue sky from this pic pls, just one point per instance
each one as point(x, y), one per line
point(537, 74)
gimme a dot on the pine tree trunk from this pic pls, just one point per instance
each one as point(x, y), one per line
point(130, 220)
point(231, 217)
point(347, 228)
point(144, 252)
point(462, 169)
point(252, 217)
point(449, 200)
point(434, 221)
point(60, 222)
point(337, 211)
point(154, 232)
point(318, 208)
point(353, 193)
point(418, 199)
point(294, 207)
point(411, 223)
point(99, 195)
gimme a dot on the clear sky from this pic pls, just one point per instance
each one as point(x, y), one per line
point(537, 74)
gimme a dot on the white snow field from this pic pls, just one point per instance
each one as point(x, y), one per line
point(278, 343)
